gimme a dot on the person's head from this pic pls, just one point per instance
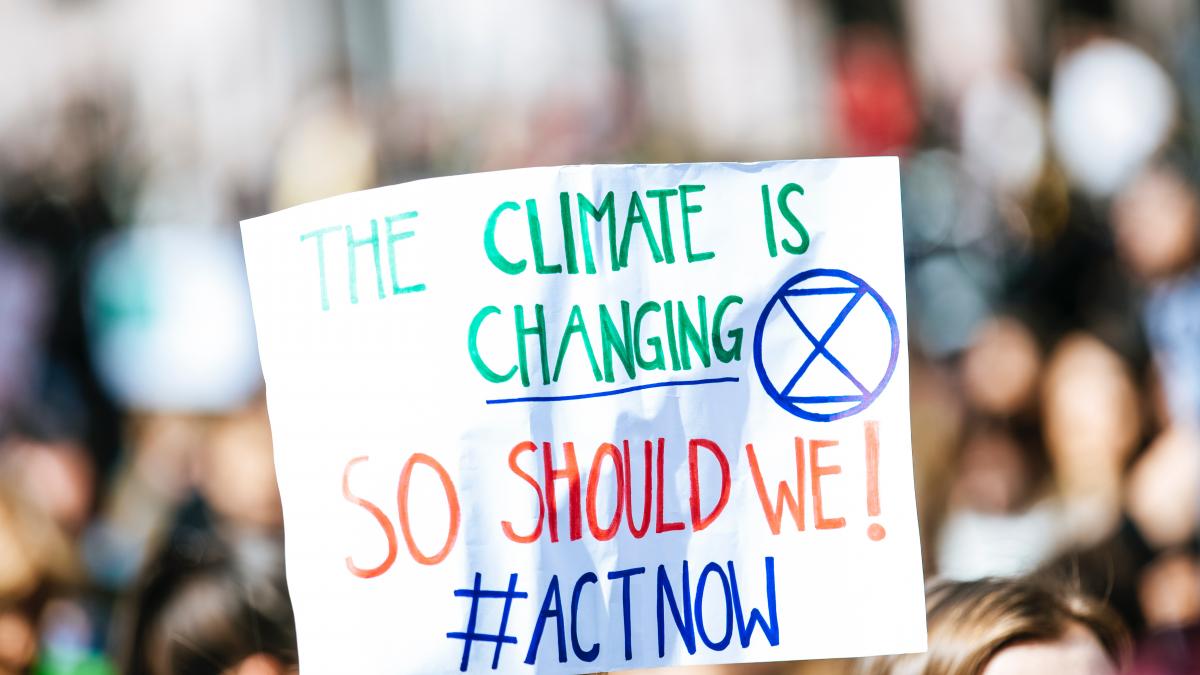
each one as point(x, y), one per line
point(1004, 626)
point(202, 607)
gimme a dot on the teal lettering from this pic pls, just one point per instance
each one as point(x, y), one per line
point(352, 262)
point(392, 238)
point(320, 237)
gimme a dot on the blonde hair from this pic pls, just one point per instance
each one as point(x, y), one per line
point(971, 621)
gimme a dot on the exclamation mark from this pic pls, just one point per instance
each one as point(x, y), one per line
point(875, 531)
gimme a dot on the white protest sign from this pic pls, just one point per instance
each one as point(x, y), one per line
point(592, 418)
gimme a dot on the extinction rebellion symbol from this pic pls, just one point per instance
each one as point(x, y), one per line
point(826, 345)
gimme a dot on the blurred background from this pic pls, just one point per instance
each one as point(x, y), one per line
point(1052, 228)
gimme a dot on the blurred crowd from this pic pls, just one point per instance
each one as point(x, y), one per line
point(1051, 187)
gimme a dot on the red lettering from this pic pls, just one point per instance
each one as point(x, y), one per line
point(507, 526)
point(638, 532)
point(605, 527)
point(661, 526)
point(571, 473)
point(604, 534)
point(698, 522)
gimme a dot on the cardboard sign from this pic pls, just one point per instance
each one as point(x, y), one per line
point(592, 418)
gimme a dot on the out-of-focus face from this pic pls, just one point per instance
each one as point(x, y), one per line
point(239, 476)
point(1161, 492)
point(18, 643)
point(1090, 406)
point(1001, 367)
point(1155, 223)
point(1077, 652)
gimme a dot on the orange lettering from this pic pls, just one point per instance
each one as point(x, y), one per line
point(451, 500)
point(388, 530)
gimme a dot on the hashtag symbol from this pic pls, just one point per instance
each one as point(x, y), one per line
point(470, 636)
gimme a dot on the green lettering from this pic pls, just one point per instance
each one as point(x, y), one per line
point(688, 209)
point(538, 329)
point(473, 347)
point(735, 352)
point(664, 219)
point(575, 325)
point(792, 220)
point(769, 222)
point(635, 204)
point(564, 215)
point(689, 334)
point(586, 209)
point(489, 242)
point(612, 340)
point(672, 340)
point(535, 235)
point(657, 363)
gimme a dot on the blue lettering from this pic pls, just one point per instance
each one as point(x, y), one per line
point(746, 628)
point(552, 597)
point(719, 645)
point(683, 624)
point(624, 576)
point(590, 654)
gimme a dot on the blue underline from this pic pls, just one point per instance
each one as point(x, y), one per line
point(611, 392)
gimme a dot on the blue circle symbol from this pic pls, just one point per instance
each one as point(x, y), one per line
point(790, 299)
